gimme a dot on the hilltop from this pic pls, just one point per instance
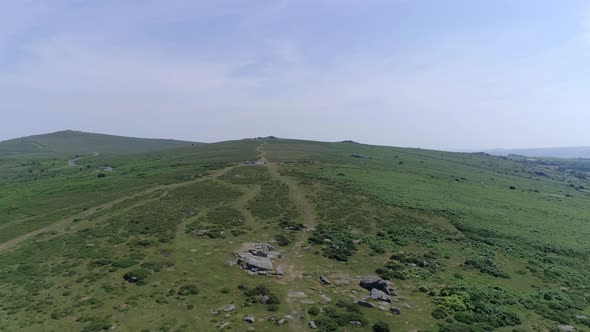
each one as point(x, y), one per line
point(77, 142)
point(331, 236)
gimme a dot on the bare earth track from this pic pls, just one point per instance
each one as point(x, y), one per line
point(293, 270)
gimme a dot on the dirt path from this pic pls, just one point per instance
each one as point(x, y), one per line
point(87, 213)
point(73, 162)
point(294, 269)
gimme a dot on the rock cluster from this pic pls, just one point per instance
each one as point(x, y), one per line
point(379, 290)
point(257, 258)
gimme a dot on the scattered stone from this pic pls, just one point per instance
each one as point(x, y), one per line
point(566, 328)
point(379, 295)
point(327, 241)
point(263, 273)
point(325, 298)
point(226, 315)
point(229, 308)
point(289, 317)
point(214, 312)
point(581, 317)
point(265, 299)
point(112, 328)
point(294, 294)
point(325, 280)
point(356, 323)
point(279, 271)
point(365, 304)
point(281, 321)
point(395, 310)
point(200, 232)
point(383, 307)
point(224, 325)
point(312, 325)
point(231, 263)
point(249, 319)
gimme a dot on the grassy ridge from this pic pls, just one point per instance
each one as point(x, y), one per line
point(70, 142)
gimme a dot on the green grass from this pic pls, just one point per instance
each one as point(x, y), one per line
point(465, 251)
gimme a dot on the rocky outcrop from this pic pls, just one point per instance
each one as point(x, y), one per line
point(370, 282)
point(254, 263)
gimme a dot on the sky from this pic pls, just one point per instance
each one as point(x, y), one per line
point(433, 74)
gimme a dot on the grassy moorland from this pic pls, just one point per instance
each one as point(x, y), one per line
point(471, 242)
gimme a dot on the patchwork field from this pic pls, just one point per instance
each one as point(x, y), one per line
point(176, 240)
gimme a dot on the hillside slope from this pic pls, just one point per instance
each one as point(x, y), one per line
point(470, 242)
point(76, 142)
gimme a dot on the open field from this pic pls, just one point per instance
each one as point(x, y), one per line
point(470, 242)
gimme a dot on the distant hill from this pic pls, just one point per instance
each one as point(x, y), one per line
point(77, 142)
point(565, 152)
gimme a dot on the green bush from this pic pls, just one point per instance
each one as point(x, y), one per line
point(380, 326)
point(188, 290)
point(314, 311)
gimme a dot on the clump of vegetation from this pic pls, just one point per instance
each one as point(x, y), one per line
point(478, 308)
point(337, 243)
point(138, 276)
point(381, 326)
point(261, 294)
point(486, 265)
point(335, 317)
point(188, 290)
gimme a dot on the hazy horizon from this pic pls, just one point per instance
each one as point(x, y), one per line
point(450, 75)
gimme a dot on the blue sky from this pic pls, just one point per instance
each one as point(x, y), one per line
point(433, 74)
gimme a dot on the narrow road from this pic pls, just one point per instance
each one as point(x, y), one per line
point(294, 270)
point(86, 213)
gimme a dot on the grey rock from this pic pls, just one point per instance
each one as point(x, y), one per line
point(224, 325)
point(566, 328)
point(356, 323)
point(581, 317)
point(262, 246)
point(379, 295)
point(231, 263)
point(325, 280)
point(279, 271)
point(253, 262)
point(312, 325)
point(273, 255)
point(395, 310)
point(369, 282)
point(325, 298)
point(265, 299)
point(200, 231)
point(365, 304)
point(249, 319)
point(229, 308)
point(288, 317)
point(281, 321)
